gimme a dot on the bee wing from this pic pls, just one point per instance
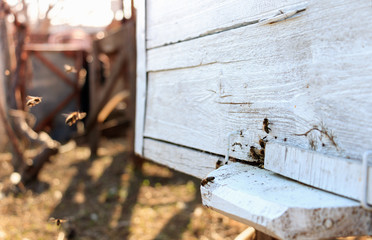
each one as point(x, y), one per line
point(82, 115)
point(52, 219)
point(68, 114)
point(30, 97)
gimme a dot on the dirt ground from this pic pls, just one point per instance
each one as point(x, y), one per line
point(105, 198)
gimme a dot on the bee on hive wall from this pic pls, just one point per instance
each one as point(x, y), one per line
point(206, 180)
point(265, 125)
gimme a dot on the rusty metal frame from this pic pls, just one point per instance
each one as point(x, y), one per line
point(78, 57)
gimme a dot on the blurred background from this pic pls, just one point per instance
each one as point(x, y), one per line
point(83, 181)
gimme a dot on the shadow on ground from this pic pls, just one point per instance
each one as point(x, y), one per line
point(104, 192)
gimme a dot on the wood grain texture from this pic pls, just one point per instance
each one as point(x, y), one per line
point(141, 80)
point(195, 163)
point(308, 70)
point(283, 208)
point(341, 176)
point(172, 21)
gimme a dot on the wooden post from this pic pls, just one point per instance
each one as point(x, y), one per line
point(263, 236)
point(93, 133)
point(131, 74)
point(18, 159)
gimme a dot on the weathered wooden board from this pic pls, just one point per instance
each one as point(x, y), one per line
point(4, 78)
point(172, 21)
point(215, 67)
point(308, 70)
point(341, 176)
point(141, 81)
point(283, 208)
point(195, 163)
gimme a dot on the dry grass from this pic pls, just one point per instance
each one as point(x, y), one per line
point(106, 199)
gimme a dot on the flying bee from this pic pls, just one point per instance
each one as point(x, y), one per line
point(57, 221)
point(265, 125)
point(32, 101)
point(69, 68)
point(206, 180)
point(71, 118)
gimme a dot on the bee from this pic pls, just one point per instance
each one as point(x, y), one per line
point(207, 180)
point(69, 68)
point(262, 142)
point(262, 153)
point(254, 153)
point(265, 125)
point(32, 101)
point(57, 221)
point(71, 118)
point(218, 164)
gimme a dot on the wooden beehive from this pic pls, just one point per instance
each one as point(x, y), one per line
point(210, 72)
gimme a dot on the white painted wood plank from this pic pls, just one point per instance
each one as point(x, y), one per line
point(141, 82)
point(192, 162)
point(283, 208)
point(324, 29)
point(188, 108)
point(337, 175)
point(171, 21)
point(298, 73)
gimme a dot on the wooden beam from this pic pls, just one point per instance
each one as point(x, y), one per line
point(192, 162)
point(203, 18)
point(282, 208)
point(112, 103)
point(337, 175)
point(18, 161)
point(120, 65)
point(130, 76)
point(141, 80)
point(107, 89)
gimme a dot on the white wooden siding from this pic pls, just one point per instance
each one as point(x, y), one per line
point(341, 176)
point(141, 80)
point(214, 67)
point(171, 21)
point(195, 163)
point(311, 69)
point(281, 208)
